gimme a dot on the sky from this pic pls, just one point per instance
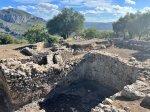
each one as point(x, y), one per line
point(93, 10)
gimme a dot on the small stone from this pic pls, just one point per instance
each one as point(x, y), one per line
point(107, 101)
point(132, 59)
point(120, 110)
point(127, 108)
point(146, 101)
point(114, 109)
point(67, 66)
point(101, 105)
point(129, 92)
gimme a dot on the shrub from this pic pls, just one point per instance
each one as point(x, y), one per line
point(91, 33)
point(21, 41)
point(54, 39)
point(94, 33)
point(37, 33)
point(6, 39)
point(106, 34)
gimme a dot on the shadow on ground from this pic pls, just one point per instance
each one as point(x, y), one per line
point(142, 55)
point(80, 96)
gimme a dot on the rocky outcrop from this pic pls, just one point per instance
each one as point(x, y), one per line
point(29, 52)
point(17, 16)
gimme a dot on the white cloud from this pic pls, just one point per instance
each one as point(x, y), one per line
point(48, 5)
point(104, 9)
point(130, 2)
point(8, 7)
point(86, 3)
point(44, 10)
point(123, 10)
point(33, 1)
point(114, 9)
point(145, 10)
point(24, 8)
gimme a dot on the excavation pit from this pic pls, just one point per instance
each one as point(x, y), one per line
point(79, 96)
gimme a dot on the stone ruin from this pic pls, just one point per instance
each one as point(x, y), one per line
point(89, 81)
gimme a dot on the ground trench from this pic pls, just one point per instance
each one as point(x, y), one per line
point(79, 96)
point(95, 78)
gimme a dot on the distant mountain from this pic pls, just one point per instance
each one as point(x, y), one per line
point(16, 22)
point(99, 25)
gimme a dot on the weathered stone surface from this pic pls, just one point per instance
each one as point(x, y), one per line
point(102, 46)
point(57, 59)
point(146, 101)
point(132, 59)
point(28, 81)
point(107, 101)
point(29, 52)
point(50, 59)
point(131, 93)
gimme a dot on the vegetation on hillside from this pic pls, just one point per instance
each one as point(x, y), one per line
point(8, 39)
point(133, 26)
point(38, 33)
point(91, 33)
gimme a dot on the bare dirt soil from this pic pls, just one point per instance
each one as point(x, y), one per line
point(7, 51)
point(124, 53)
point(133, 106)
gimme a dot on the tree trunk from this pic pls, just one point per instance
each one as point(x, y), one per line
point(124, 35)
point(130, 35)
point(140, 37)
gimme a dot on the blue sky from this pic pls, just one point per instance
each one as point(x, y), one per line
point(93, 10)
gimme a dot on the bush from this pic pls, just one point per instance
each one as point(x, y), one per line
point(94, 33)
point(37, 33)
point(21, 41)
point(91, 33)
point(106, 34)
point(6, 39)
point(54, 39)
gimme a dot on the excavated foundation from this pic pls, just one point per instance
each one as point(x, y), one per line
point(79, 96)
point(77, 85)
point(95, 78)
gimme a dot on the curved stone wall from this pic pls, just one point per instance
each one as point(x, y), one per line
point(108, 70)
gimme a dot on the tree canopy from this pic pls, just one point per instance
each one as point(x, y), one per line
point(133, 25)
point(65, 23)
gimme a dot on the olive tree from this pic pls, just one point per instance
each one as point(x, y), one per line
point(66, 23)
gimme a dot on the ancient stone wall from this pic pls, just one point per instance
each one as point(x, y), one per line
point(109, 70)
point(132, 44)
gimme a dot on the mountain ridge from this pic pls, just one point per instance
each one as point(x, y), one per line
point(99, 25)
point(15, 22)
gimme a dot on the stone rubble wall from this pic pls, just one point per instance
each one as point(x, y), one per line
point(132, 44)
point(105, 68)
point(28, 80)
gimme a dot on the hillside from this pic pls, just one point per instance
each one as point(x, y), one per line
point(15, 22)
point(99, 25)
